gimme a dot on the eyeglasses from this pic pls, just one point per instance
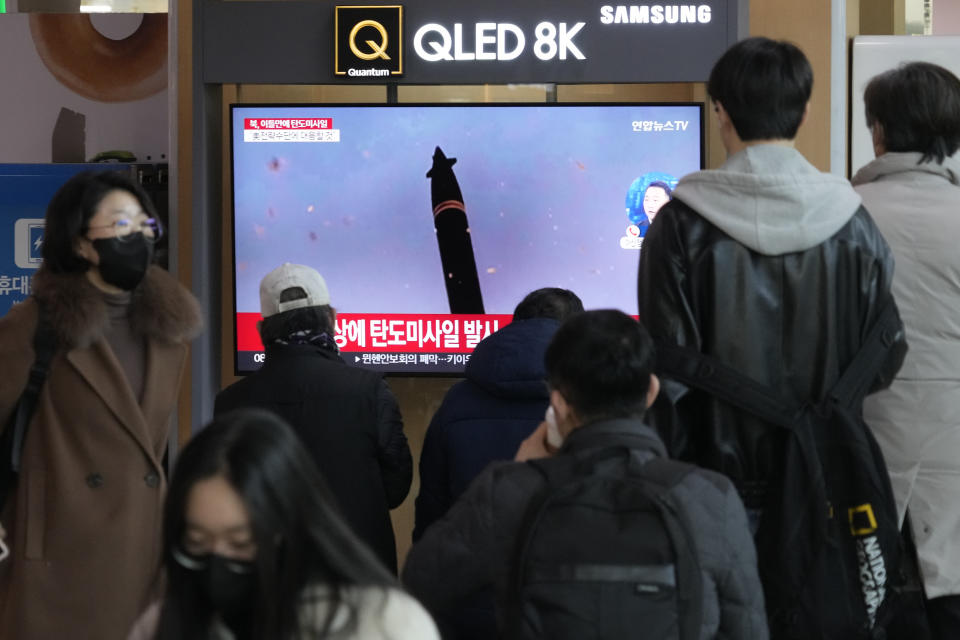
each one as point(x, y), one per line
point(193, 562)
point(124, 229)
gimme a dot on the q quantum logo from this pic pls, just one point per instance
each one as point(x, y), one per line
point(368, 41)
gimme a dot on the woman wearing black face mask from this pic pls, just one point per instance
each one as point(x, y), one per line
point(255, 550)
point(83, 520)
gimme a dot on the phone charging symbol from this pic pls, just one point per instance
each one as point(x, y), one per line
point(28, 239)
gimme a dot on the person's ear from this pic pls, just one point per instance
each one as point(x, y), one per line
point(565, 415)
point(722, 115)
point(876, 136)
point(806, 112)
point(83, 248)
point(653, 390)
point(723, 118)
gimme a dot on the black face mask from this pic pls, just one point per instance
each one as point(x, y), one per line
point(230, 586)
point(124, 263)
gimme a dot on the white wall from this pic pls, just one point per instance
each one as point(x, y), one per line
point(31, 98)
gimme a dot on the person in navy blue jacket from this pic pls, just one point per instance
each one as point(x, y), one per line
point(485, 418)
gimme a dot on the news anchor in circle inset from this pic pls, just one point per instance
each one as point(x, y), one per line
point(646, 195)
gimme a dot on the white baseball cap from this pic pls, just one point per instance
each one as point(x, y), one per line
point(287, 276)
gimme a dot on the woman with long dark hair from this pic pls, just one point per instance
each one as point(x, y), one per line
point(254, 548)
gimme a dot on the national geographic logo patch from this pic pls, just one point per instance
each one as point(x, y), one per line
point(368, 41)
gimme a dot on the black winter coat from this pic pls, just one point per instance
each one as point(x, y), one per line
point(792, 321)
point(486, 416)
point(472, 546)
point(349, 422)
point(483, 419)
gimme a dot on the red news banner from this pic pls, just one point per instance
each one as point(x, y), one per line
point(294, 124)
point(389, 333)
point(289, 130)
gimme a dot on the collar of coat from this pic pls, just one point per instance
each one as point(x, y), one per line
point(161, 308)
point(625, 432)
point(907, 166)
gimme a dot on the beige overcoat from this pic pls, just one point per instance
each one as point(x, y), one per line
point(917, 420)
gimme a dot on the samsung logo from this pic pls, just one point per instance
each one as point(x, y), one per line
point(656, 14)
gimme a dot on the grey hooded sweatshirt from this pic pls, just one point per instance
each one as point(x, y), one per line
point(771, 199)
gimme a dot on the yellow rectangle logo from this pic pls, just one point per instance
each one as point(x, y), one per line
point(368, 41)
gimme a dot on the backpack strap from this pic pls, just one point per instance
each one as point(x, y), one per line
point(856, 379)
point(44, 346)
point(667, 474)
point(709, 374)
point(513, 615)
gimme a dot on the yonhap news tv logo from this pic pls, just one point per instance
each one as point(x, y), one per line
point(28, 242)
point(368, 41)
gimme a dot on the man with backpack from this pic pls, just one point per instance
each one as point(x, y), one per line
point(597, 534)
point(766, 286)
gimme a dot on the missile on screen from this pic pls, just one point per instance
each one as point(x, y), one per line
point(453, 237)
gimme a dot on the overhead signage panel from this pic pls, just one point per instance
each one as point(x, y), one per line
point(458, 42)
point(565, 42)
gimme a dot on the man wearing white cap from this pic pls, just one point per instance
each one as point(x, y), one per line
point(347, 418)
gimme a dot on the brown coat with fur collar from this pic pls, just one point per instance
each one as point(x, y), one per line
point(84, 523)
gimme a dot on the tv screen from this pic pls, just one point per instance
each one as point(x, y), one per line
point(430, 223)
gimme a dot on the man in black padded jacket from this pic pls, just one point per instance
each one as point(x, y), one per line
point(599, 368)
point(347, 417)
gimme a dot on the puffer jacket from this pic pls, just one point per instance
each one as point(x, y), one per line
point(482, 419)
point(917, 420)
point(775, 269)
point(472, 546)
point(486, 416)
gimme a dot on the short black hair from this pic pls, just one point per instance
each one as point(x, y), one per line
point(70, 210)
point(917, 106)
point(549, 302)
point(601, 362)
point(764, 86)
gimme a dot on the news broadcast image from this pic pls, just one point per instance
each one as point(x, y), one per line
point(541, 194)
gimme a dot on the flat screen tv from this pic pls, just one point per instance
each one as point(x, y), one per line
point(430, 222)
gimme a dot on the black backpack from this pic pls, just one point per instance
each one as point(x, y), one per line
point(605, 552)
point(829, 548)
point(15, 431)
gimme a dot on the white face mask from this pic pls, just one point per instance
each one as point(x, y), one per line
point(554, 437)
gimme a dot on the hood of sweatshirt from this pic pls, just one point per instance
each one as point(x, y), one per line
point(509, 363)
point(771, 199)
